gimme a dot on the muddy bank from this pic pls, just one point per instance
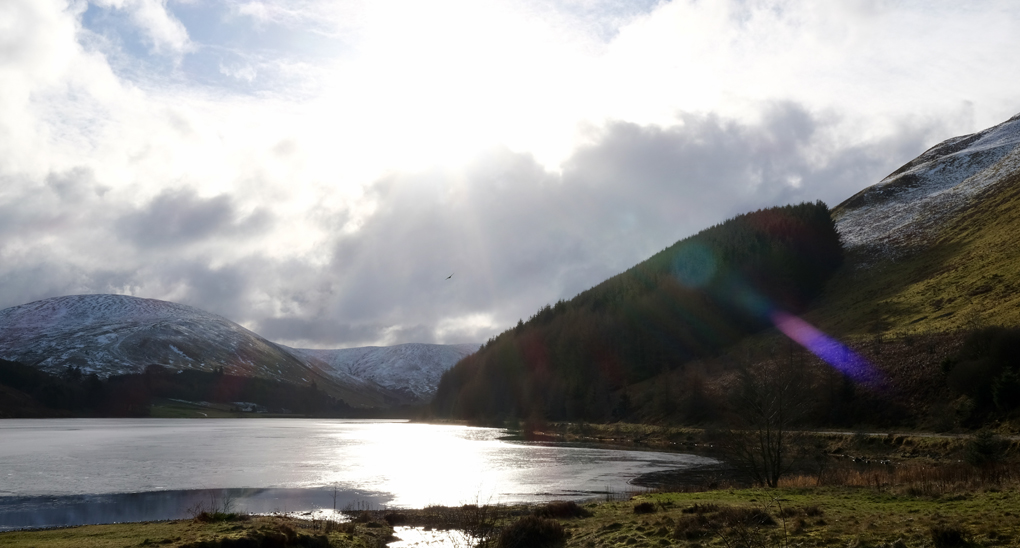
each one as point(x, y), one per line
point(702, 478)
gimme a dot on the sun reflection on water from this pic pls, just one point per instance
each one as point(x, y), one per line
point(413, 537)
point(418, 461)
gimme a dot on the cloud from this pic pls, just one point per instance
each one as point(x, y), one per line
point(180, 216)
point(225, 290)
point(76, 185)
point(27, 32)
point(163, 31)
point(245, 72)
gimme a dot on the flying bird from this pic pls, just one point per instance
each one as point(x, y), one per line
point(450, 276)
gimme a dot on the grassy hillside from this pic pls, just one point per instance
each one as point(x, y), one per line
point(969, 278)
point(921, 318)
point(910, 316)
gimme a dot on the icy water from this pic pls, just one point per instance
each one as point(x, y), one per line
point(75, 471)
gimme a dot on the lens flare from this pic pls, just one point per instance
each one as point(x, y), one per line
point(694, 265)
point(828, 349)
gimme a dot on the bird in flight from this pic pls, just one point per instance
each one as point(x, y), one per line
point(450, 276)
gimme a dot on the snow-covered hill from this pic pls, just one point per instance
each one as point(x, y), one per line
point(114, 334)
point(907, 209)
point(117, 334)
point(413, 368)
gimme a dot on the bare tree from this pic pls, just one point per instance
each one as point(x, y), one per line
point(770, 397)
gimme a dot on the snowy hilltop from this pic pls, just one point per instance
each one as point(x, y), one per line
point(907, 209)
point(117, 334)
point(413, 368)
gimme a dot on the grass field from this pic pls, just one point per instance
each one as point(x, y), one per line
point(827, 516)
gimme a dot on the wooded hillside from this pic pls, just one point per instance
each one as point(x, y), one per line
point(691, 300)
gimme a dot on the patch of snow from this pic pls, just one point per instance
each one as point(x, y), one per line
point(178, 352)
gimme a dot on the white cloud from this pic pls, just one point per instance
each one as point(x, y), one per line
point(245, 72)
point(162, 29)
point(332, 16)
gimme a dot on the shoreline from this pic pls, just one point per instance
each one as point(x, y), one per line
point(980, 511)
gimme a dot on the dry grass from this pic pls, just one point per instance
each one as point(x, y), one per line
point(531, 532)
point(561, 509)
point(930, 480)
point(811, 516)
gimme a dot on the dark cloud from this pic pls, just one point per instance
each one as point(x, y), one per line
point(32, 280)
point(224, 290)
point(75, 185)
point(317, 329)
point(181, 216)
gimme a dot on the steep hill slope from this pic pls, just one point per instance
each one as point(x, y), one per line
point(694, 299)
point(930, 254)
point(117, 334)
point(932, 248)
point(413, 369)
point(111, 334)
point(910, 208)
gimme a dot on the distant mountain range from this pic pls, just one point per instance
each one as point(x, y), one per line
point(119, 334)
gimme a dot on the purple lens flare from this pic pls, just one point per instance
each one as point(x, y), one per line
point(825, 347)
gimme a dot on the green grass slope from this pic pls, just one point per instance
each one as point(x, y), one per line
point(968, 278)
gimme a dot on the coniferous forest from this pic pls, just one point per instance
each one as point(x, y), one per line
point(73, 393)
point(692, 300)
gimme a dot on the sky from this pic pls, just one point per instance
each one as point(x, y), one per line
point(316, 170)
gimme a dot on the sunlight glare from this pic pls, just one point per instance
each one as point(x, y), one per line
point(420, 461)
